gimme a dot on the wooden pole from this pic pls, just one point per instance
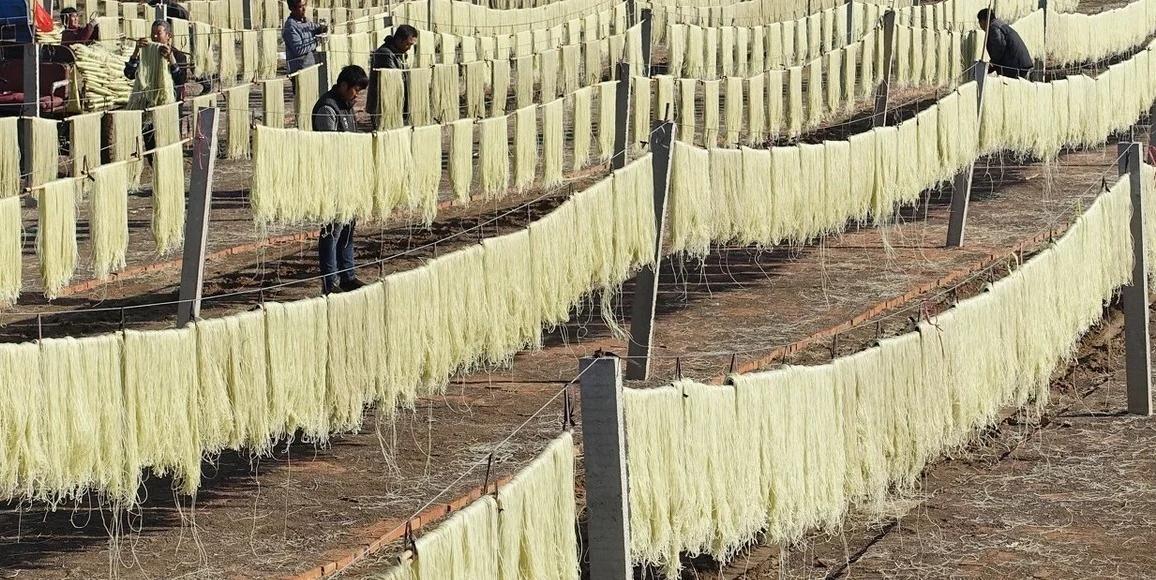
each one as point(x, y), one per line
point(622, 116)
point(882, 92)
point(646, 283)
point(197, 222)
point(1138, 347)
point(607, 494)
point(961, 185)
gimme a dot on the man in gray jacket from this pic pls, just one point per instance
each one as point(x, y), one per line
point(392, 54)
point(300, 36)
point(334, 112)
point(1007, 52)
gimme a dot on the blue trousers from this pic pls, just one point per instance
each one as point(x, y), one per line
point(335, 252)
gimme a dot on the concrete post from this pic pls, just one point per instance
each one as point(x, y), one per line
point(1138, 347)
point(197, 220)
point(882, 92)
point(607, 494)
point(646, 283)
point(622, 117)
point(961, 185)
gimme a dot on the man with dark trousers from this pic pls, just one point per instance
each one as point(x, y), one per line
point(1007, 52)
point(392, 54)
point(334, 112)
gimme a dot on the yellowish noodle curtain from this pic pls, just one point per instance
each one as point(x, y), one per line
point(461, 163)
point(84, 142)
point(525, 146)
point(526, 531)
point(153, 85)
point(11, 245)
point(267, 62)
point(422, 196)
point(393, 157)
point(161, 386)
point(710, 113)
point(168, 221)
point(419, 96)
point(227, 63)
point(390, 98)
point(9, 157)
point(127, 141)
point(273, 381)
point(306, 91)
point(582, 126)
point(686, 114)
point(445, 93)
point(878, 417)
point(166, 120)
point(291, 182)
point(499, 87)
point(606, 119)
point(493, 156)
point(237, 134)
point(56, 234)
point(108, 217)
point(552, 143)
point(475, 74)
point(249, 58)
point(45, 150)
point(273, 103)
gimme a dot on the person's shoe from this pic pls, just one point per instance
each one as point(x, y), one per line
point(327, 289)
point(350, 284)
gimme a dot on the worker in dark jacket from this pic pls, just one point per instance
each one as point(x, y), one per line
point(178, 61)
point(1007, 52)
point(392, 54)
point(334, 112)
point(73, 32)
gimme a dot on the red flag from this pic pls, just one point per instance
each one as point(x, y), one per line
point(42, 18)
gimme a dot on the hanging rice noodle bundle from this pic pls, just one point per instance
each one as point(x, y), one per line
point(153, 85)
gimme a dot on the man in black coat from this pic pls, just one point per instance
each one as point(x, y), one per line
point(334, 112)
point(1006, 51)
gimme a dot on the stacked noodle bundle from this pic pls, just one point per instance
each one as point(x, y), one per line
point(874, 419)
point(528, 531)
point(310, 366)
